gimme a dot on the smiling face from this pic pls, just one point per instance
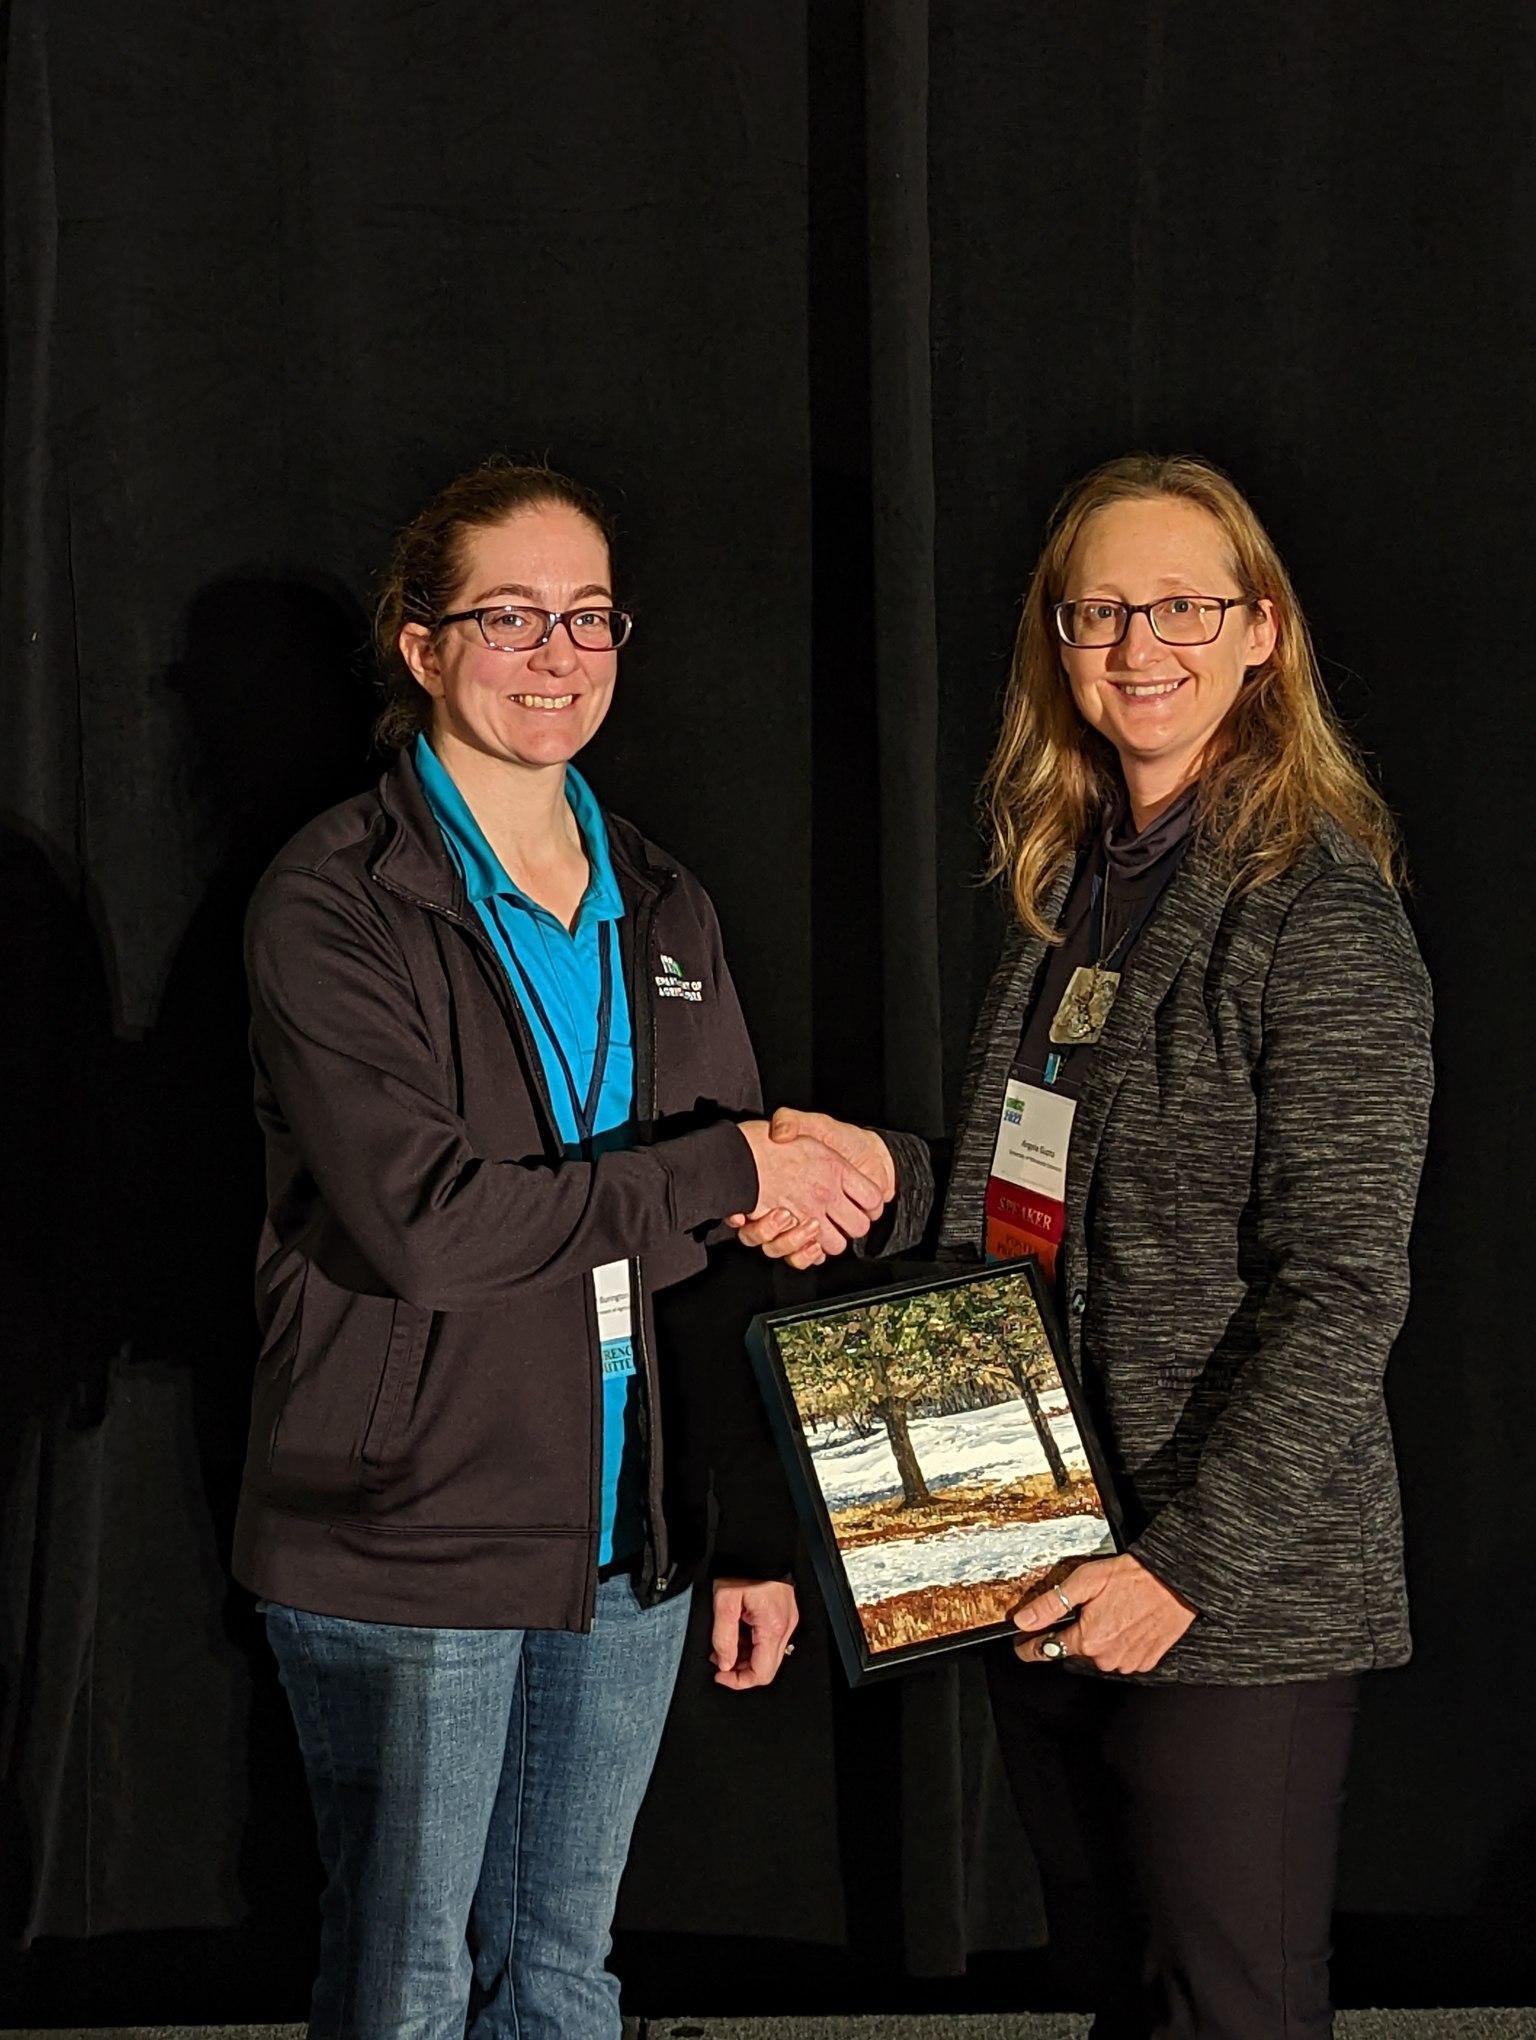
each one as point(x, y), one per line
point(531, 709)
point(1160, 705)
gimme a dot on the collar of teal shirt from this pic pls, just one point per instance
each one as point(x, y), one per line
point(482, 869)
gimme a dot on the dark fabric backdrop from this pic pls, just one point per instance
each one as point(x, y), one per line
point(831, 299)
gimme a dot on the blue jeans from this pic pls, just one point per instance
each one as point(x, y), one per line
point(474, 1792)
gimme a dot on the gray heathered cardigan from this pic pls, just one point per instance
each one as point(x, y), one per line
point(1240, 1187)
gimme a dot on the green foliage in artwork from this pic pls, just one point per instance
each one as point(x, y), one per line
point(974, 1343)
point(974, 1338)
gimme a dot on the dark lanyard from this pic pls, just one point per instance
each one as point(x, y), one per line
point(585, 1114)
point(1127, 939)
point(1097, 906)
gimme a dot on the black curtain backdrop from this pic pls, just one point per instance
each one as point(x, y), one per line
point(831, 300)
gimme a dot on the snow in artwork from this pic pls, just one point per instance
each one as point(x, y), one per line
point(996, 1444)
point(955, 1558)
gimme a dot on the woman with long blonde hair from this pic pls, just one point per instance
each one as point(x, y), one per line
point(1197, 1092)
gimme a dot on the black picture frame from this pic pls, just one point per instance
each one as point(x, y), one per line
point(863, 1661)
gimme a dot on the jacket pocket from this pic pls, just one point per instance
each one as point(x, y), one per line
point(343, 1401)
point(399, 1378)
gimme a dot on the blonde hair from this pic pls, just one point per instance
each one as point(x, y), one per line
point(1282, 758)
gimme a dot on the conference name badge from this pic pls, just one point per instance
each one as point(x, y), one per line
point(615, 1330)
point(1027, 1189)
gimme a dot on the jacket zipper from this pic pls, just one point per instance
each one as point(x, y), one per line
point(657, 1570)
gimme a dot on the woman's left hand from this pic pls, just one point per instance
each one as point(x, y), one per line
point(1126, 1619)
point(754, 1621)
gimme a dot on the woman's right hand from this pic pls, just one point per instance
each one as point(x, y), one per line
point(785, 1233)
point(807, 1193)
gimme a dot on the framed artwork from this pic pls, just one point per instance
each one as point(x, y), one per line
point(940, 1456)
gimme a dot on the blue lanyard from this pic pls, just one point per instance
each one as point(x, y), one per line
point(585, 1114)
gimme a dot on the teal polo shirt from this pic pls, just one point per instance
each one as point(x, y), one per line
point(563, 965)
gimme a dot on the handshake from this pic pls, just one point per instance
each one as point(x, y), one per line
point(820, 1184)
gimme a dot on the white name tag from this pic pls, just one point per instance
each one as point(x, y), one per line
point(615, 1331)
point(1027, 1190)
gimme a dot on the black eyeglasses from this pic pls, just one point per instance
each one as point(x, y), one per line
point(1176, 620)
point(519, 627)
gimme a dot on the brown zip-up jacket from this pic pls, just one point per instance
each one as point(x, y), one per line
point(425, 1442)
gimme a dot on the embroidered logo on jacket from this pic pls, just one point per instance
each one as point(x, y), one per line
point(673, 985)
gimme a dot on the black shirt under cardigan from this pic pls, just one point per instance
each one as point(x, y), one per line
point(1138, 868)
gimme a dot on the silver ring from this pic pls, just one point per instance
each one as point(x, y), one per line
point(1061, 1594)
point(1053, 1648)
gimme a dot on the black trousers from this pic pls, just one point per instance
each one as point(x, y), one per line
point(1187, 1839)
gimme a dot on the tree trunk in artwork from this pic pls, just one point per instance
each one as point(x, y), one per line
point(914, 1489)
point(1048, 1445)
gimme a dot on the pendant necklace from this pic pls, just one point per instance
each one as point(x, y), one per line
point(1085, 1004)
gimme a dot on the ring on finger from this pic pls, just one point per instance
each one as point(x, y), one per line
point(1053, 1649)
point(1061, 1594)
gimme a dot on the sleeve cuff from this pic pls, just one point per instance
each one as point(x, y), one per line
point(1168, 1550)
point(905, 1219)
point(711, 1173)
